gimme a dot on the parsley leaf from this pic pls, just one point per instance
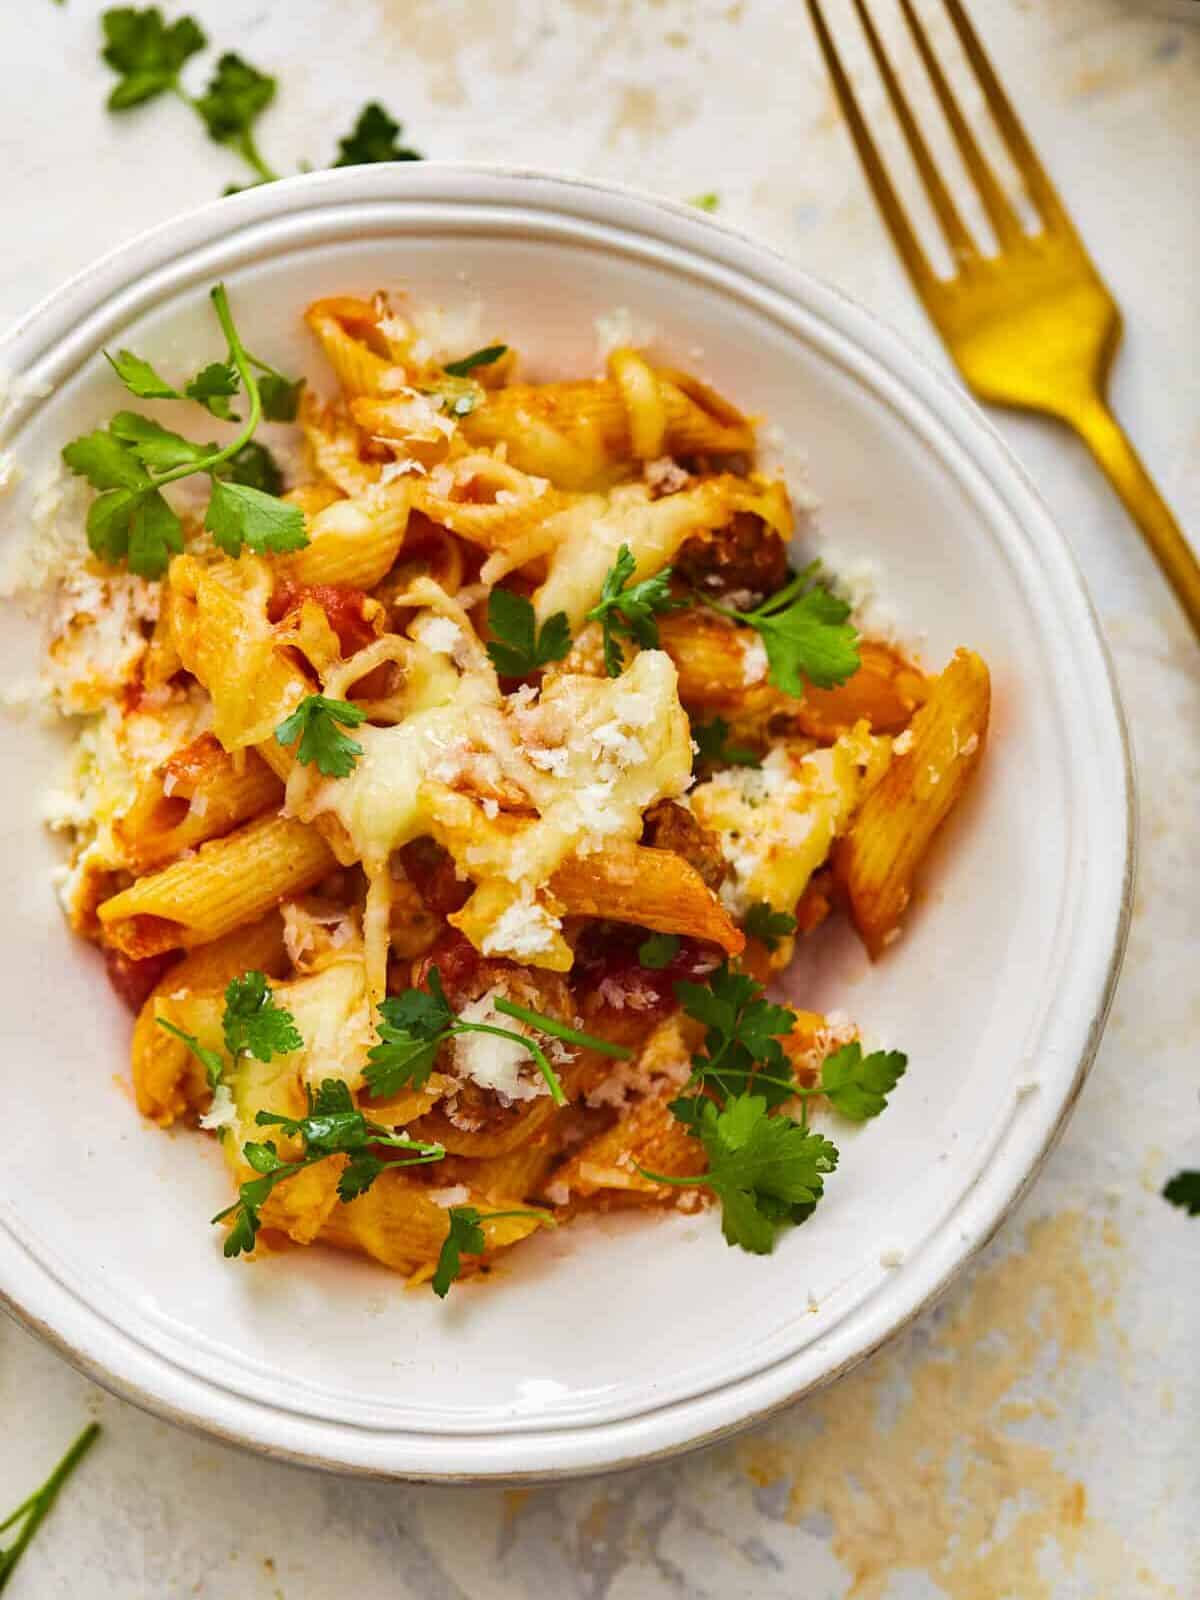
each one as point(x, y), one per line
point(711, 736)
point(254, 1023)
point(156, 447)
point(742, 1037)
point(374, 137)
point(212, 387)
point(239, 515)
point(630, 611)
point(806, 633)
point(332, 1126)
point(213, 1064)
point(105, 461)
point(857, 1086)
point(764, 1170)
point(415, 1024)
point(478, 358)
point(237, 95)
point(411, 1029)
point(465, 1235)
point(31, 1513)
point(1183, 1190)
point(767, 925)
point(317, 722)
point(134, 457)
point(254, 466)
point(280, 396)
point(705, 202)
point(140, 378)
point(146, 53)
point(519, 648)
point(658, 951)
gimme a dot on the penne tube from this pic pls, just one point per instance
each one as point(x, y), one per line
point(227, 882)
point(397, 1223)
point(722, 673)
point(353, 542)
point(580, 435)
point(168, 1081)
point(652, 888)
point(877, 860)
point(197, 794)
point(646, 1134)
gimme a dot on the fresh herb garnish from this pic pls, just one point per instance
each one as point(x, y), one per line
point(414, 1025)
point(705, 202)
point(658, 951)
point(711, 739)
point(1183, 1190)
point(519, 647)
point(333, 1126)
point(375, 137)
point(254, 466)
point(768, 926)
point(32, 1511)
point(857, 1086)
point(465, 1235)
point(806, 633)
point(764, 1170)
point(631, 611)
point(132, 460)
point(237, 95)
point(148, 56)
point(478, 358)
point(742, 1037)
point(317, 723)
point(255, 1024)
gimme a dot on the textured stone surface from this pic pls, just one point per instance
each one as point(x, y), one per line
point(1033, 1436)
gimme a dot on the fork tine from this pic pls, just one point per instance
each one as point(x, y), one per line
point(886, 197)
point(961, 244)
point(1037, 181)
point(995, 202)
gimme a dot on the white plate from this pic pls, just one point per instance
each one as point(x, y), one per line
point(621, 1340)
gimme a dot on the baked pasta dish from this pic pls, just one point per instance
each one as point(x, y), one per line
point(455, 776)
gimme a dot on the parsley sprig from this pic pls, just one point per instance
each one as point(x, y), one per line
point(32, 1512)
point(806, 633)
point(332, 1126)
point(631, 611)
point(765, 1168)
point(149, 54)
point(253, 1024)
point(317, 723)
point(518, 646)
point(465, 1235)
point(132, 460)
point(486, 357)
point(414, 1025)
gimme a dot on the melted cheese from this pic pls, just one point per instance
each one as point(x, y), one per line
point(578, 768)
point(776, 823)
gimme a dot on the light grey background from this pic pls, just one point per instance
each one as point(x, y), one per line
point(1033, 1438)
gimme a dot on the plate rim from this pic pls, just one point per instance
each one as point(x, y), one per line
point(559, 1452)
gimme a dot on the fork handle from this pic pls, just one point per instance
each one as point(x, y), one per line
point(1123, 468)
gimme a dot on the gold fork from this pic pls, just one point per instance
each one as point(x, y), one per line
point(1032, 325)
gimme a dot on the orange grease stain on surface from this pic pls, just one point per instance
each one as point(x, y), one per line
point(916, 1465)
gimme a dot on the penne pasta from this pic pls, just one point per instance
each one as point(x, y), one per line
point(199, 793)
point(227, 882)
point(877, 861)
point(651, 888)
